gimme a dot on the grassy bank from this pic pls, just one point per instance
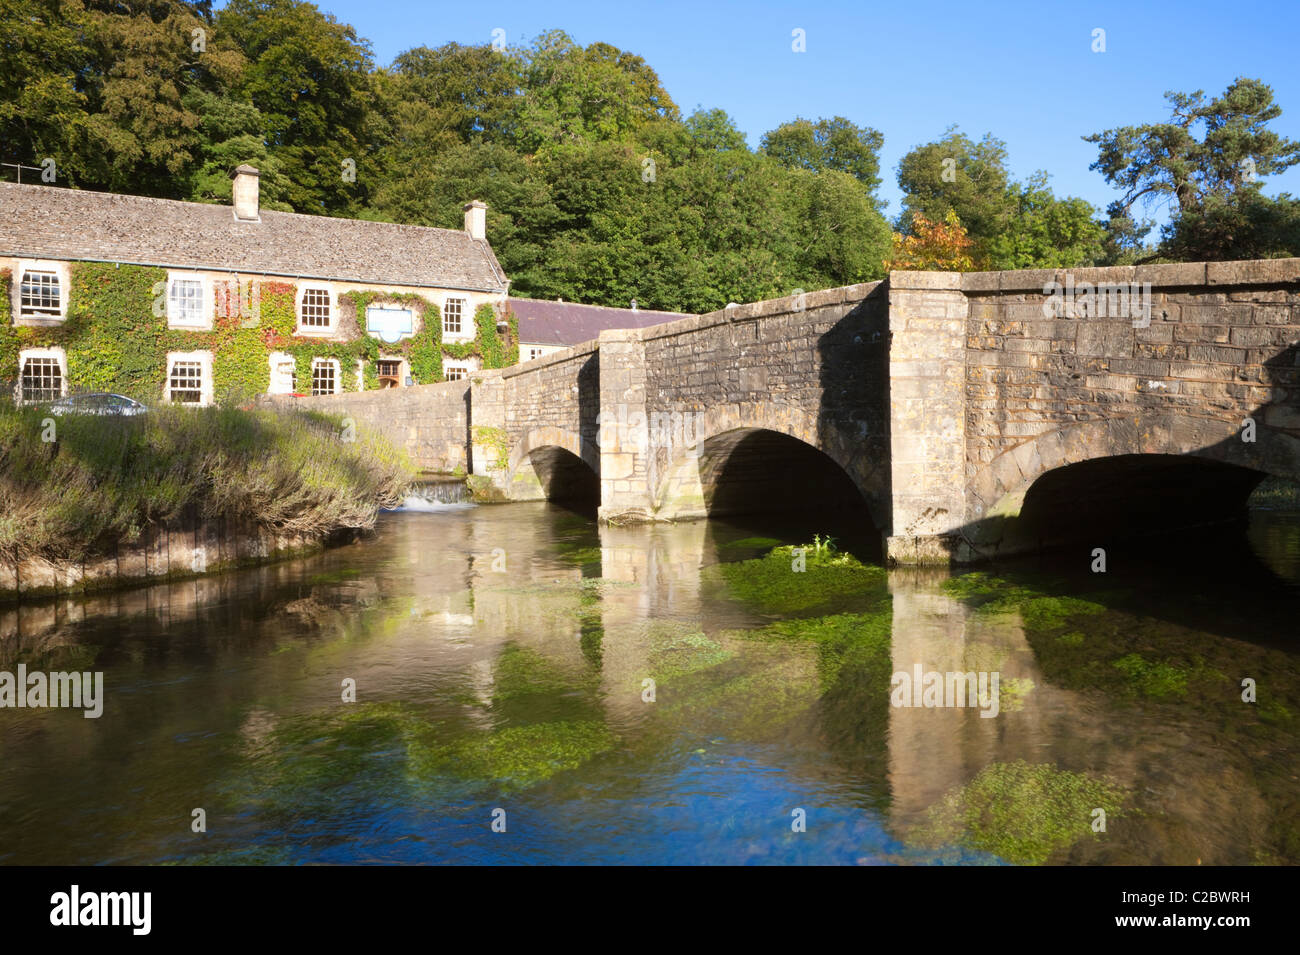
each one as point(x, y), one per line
point(102, 480)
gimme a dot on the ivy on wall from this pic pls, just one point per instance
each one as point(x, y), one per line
point(116, 336)
point(8, 340)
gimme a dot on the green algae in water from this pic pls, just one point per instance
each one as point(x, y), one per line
point(764, 543)
point(1023, 813)
point(1038, 610)
point(581, 555)
point(333, 576)
point(773, 585)
point(841, 639)
point(514, 757)
point(1153, 678)
point(1012, 692)
point(381, 748)
point(679, 649)
point(521, 671)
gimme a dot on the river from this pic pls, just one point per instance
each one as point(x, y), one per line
point(533, 688)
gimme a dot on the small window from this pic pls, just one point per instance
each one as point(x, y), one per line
point(455, 372)
point(316, 308)
point(451, 314)
point(185, 382)
point(42, 379)
point(534, 353)
point(40, 295)
point(324, 377)
point(387, 368)
point(185, 301)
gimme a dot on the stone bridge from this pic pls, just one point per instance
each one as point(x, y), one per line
point(967, 415)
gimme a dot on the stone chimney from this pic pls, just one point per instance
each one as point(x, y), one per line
point(476, 219)
point(244, 193)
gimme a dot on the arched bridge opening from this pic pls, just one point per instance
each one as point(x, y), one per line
point(1131, 496)
point(755, 473)
point(564, 477)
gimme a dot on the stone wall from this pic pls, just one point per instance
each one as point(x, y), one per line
point(550, 402)
point(160, 554)
point(430, 422)
point(810, 366)
point(1042, 389)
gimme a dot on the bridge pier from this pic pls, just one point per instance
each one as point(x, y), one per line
point(626, 466)
point(927, 417)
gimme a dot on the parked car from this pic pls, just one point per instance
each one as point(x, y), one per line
point(99, 403)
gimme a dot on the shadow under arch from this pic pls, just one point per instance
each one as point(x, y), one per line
point(551, 461)
point(761, 456)
point(774, 483)
point(1121, 478)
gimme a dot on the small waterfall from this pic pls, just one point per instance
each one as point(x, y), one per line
point(434, 495)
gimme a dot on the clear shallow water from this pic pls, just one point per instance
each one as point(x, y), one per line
point(499, 655)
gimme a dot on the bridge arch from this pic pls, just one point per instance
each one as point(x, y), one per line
point(689, 477)
point(1146, 472)
point(553, 464)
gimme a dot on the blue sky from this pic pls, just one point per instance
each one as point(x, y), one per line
point(1023, 71)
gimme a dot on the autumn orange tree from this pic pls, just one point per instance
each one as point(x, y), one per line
point(933, 246)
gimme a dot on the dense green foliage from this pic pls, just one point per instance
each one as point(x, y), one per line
point(600, 190)
point(104, 480)
point(116, 337)
point(1012, 225)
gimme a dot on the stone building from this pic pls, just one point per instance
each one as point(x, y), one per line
point(360, 294)
point(546, 327)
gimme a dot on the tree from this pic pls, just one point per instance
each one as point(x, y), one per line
point(596, 93)
point(1245, 226)
point(714, 129)
point(467, 94)
point(1213, 179)
point(101, 88)
point(39, 59)
point(1046, 232)
point(309, 77)
point(1011, 225)
point(933, 246)
point(832, 143)
point(957, 175)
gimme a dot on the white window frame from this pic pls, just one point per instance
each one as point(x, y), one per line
point(61, 272)
point(448, 369)
point(301, 297)
point(317, 330)
point(338, 375)
point(535, 352)
point(275, 360)
point(466, 318)
point(42, 353)
point(204, 360)
point(174, 320)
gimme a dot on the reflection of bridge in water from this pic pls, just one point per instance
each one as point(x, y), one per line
point(439, 606)
point(963, 416)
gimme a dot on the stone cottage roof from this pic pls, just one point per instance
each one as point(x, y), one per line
point(568, 323)
point(50, 222)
